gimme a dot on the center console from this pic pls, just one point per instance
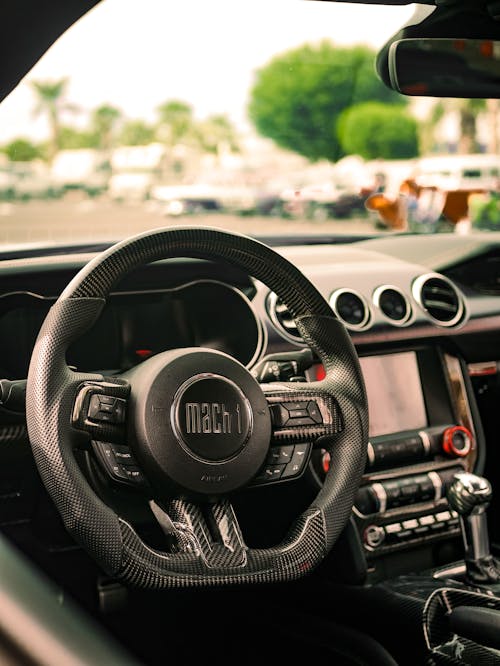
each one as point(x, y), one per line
point(422, 433)
point(419, 516)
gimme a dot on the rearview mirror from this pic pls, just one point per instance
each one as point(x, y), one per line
point(446, 67)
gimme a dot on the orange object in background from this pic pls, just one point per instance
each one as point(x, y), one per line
point(393, 210)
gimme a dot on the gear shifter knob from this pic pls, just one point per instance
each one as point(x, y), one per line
point(468, 492)
point(469, 495)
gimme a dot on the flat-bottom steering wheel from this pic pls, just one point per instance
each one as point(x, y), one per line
point(199, 427)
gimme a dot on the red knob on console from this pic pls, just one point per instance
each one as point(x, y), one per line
point(457, 441)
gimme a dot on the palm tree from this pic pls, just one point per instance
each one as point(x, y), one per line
point(136, 133)
point(427, 127)
point(103, 122)
point(468, 111)
point(51, 101)
point(175, 122)
point(217, 133)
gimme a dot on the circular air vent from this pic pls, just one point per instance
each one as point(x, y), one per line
point(351, 308)
point(439, 297)
point(393, 304)
point(282, 319)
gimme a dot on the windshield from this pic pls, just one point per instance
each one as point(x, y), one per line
point(263, 118)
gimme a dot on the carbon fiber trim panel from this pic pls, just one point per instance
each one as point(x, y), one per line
point(204, 560)
point(447, 647)
point(11, 434)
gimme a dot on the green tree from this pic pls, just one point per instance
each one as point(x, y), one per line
point(299, 95)
point(104, 121)
point(216, 132)
point(175, 121)
point(21, 150)
point(71, 138)
point(136, 133)
point(51, 102)
point(377, 130)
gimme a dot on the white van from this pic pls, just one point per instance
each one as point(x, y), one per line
point(459, 172)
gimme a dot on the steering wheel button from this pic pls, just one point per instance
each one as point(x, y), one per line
point(106, 399)
point(119, 411)
point(294, 406)
point(94, 407)
point(124, 457)
point(105, 408)
point(105, 449)
point(118, 471)
point(300, 453)
point(270, 473)
point(279, 415)
point(298, 413)
point(104, 418)
point(280, 455)
point(292, 469)
point(296, 422)
point(314, 413)
point(133, 474)
point(274, 455)
point(274, 472)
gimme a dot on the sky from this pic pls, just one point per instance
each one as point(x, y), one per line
point(135, 54)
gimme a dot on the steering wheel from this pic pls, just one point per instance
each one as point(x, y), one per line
point(197, 426)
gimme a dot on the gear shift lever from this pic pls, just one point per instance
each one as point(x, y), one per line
point(469, 495)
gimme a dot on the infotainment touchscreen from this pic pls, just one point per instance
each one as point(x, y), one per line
point(395, 398)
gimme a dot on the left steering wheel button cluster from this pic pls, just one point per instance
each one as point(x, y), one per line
point(118, 461)
point(106, 409)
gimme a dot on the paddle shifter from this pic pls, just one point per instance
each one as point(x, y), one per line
point(470, 496)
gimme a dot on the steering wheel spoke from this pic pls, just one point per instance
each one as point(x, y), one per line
point(210, 531)
point(214, 529)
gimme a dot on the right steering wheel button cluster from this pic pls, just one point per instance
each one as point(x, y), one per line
point(284, 462)
point(300, 413)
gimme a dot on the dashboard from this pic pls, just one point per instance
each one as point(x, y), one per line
point(422, 318)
